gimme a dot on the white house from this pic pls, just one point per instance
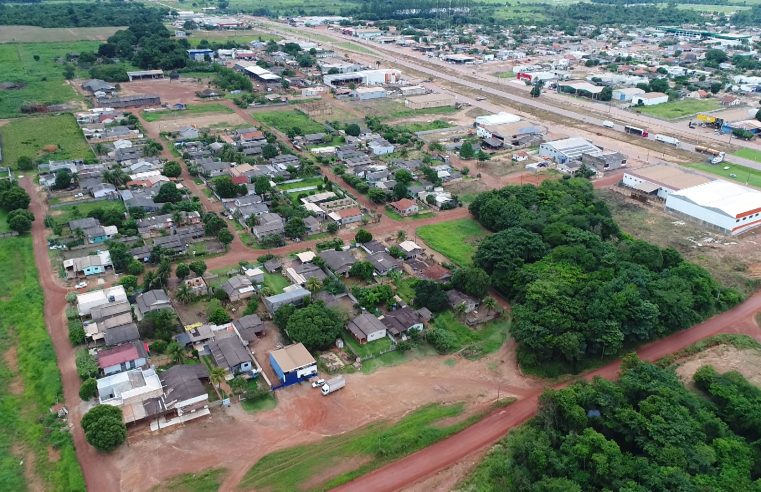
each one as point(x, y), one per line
point(626, 94)
point(367, 328)
point(90, 300)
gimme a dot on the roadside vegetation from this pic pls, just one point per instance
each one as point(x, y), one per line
point(207, 480)
point(679, 109)
point(286, 121)
point(734, 172)
point(31, 384)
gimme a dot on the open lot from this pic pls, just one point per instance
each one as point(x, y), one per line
point(733, 172)
point(456, 239)
point(49, 137)
point(678, 109)
point(34, 34)
point(40, 80)
point(287, 119)
point(67, 213)
point(752, 154)
point(191, 110)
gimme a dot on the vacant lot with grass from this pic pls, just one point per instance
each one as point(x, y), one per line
point(424, 126)
point(192, 109)
point(305, 183)
point(354, 453)
point(66, 213)
point(38, 80)
point(733, 172)
point(285, 120)
point(455, 239)
point(34, 34)
point(474, 342)
point(32, 438)
point(240, 37)
point(679, 109)
point(276, 282)
point(751, 154)
point(53, 137)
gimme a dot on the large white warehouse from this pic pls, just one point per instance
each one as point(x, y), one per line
point(729, 207)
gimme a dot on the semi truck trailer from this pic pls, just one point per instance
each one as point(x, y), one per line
point(333, 385)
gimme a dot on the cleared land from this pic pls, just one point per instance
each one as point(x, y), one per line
point(751, 154)
point(286, 120)
point(207, 480)
point(39, 81)
point(679, 109)
point(53, 137)
point(473, 342)
point(338, 459)
point(733, 172)
point(241, 37)
point(455, 239)
point(423, 126)
point(36, 450)
point(33, 34)
point(190, 110)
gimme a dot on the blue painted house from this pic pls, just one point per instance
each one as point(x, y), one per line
point(292, 364)
point(87, 266)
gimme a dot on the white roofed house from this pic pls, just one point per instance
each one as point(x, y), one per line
point(91, 300)
point(238, 288)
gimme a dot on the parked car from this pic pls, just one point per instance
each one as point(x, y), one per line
point(81, 285)
point(317, 383)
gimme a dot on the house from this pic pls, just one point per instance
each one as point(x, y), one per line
point(346, 216)
point(410, 248)
point(303, 272)
point(229, 353)
point(339, 262)
point(293, 363)
point(200, 54)
point(294, 294)
point(405, 207)
point(273, 265)
point(380, 146)
point(729, 101)
point(128, 390)
point(97, 85)
point(91, 300)
point(185, 396)
point(88, 265)
point(238, 288)
point(270, 224)
point(197, 286)
point(313, 225)
point(120, 334)
point(122, 357)
point(366, 328)
point(383, 262)
point(372, 247)
point(255, 275)
point(104, 190)
point(402, 320)
point(457, 298)
point(152, 300)
point(249, 327)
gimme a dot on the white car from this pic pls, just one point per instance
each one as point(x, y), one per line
point(81, 285)
point(318, 383)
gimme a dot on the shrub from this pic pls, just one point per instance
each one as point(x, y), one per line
point(88, 389)
point(158, 347)
point(104, 427)
point(76, 332)
point(87, 366)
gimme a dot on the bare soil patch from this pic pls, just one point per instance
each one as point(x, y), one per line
point(16, 386)
point(170, 91)
point(33, 481)
point(724, 358)
point(332, 470)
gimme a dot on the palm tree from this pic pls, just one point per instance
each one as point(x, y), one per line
point(401, 235)
point(490, 303)
point(184, 294)
point(175, 352)
point(217, 375)
point(313, 285)
point(459, 309)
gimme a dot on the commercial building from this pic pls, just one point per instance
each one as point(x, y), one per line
point(255, 71)
point(293, 364)
point(626, 94)
point(660, 181)
point(727, 207)
point(563, 151)
point(364, 77)
point(650, 99)
point(368, 93)
point(145, 74)
point(429, 101)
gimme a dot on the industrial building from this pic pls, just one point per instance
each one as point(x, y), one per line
point(364, 77)
point(626, 94)
point(145, 74)
point(660, 181)
point(293, 364)
point(497, 119)
point(255, 71)
point(568, 149)
point(129, 101)
point(429, 101)
point(650, 99)
point(727, 207)
point(368, 93)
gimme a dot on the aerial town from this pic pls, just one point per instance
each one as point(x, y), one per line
point(358, 247)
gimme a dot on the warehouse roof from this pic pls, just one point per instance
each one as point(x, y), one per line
point(723, 197)
point(671, 177)
point(292, 357)
point(574, 147)
point(497, 119)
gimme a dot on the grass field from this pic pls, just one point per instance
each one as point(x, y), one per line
point(33, 34)
point(679, 109)
point(66, 213)
point(736, 173)
point(276, 282)
point(29, 137)
point(42, 80)
point(348, 45)
point(476, 342)
point(191, 109)
point(315, 181)
point(402, 112)
point(207, 480)
point(423, 126)
point(241, 37)
point(28, 426)
point(285, 120)
point(751, 154)
point(372, 446)
point(368, 349)
point(441, 237)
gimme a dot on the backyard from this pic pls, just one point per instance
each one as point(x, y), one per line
point(275, 282)
point(678, 109)
point(55, 137)
point(424, 126)
point(440, 237)
point(190, 110)
point(286, 120)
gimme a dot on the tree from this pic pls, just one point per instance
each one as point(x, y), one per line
point(481, 156)
point(316, 326)
point(225, 237)
point(182, 271)
point(313, 285)
point(251, 307)
point(20, 220)
point(490, 304)
point(63, 179)
point(217, 375)
point(25, 163)
point(363, 236)
point(172, 169)
point(606, 94)
point(269, 151)
point(104, 427)
point(129, 282)
point(352, 129)
point(403, 176)
point(161, 324)
point(87, 366)
point(262, 185)
point(225, 187)
point(76, 333)
point(198, 267)
point(14, 198)
point(716, 56)
point(659, 85)
point(466, 151)
point(758, 115)
point(536, 90)
point(175, 352)
point(216, 313)
point(401, 191)
point(332, 228)
point(471, 280)
point(88, 389)
point(363, 270)
point(134, 267)
point(401, 235)
point(295, 228)
point(168, 193)
point(377, 195)
point(429, 294)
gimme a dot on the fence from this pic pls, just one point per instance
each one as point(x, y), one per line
point(8, 234)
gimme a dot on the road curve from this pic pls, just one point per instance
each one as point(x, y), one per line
point(426, 462)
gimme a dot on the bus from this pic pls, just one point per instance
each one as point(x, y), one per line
point(633, 130)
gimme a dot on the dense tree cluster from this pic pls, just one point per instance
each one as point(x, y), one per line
point(579, 287)
point(645, 432)
point(737, 401)
point(148, 45)
point(92, 14)
point(316, 326)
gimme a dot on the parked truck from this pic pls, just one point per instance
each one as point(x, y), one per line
point(666, 139)
point(333, 385)
point(707, 150)
point(718, 159)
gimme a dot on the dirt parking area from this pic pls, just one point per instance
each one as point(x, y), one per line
point(170, 91)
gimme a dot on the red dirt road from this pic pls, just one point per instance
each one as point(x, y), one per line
point(98, 474)
point(443, 454)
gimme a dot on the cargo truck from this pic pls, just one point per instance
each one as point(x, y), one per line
point(667, 140)
point(333, 385)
